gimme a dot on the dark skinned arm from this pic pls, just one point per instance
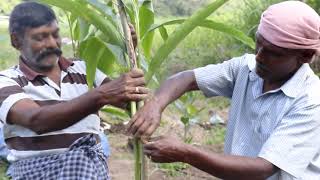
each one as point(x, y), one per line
point(147, 119)
point(43, 119)
point(170, 149)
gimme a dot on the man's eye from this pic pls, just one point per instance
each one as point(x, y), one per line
point(38, 38)
point(56, 35)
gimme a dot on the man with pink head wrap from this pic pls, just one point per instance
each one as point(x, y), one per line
point(300, 30)
point(273, 130)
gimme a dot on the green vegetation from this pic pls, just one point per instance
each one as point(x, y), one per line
point(216, 135)
point(3, 169)
point(201, 47)
point(173, 169)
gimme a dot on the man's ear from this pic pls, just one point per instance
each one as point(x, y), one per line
point(15, 41)
point(307, 55)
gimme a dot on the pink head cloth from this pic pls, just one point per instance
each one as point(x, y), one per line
point(292, 25)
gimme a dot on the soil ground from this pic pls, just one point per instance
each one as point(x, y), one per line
point(121, 161)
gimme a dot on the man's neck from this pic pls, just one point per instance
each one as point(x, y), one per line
point(267, 86)
point(54, 74)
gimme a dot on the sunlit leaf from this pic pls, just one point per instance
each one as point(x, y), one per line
point(146, 19)
point(179, 34)
point(116, 111)
point(91, 17)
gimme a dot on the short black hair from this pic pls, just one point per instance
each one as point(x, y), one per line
point(29, 15)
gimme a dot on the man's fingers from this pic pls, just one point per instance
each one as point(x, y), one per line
point(138, 90)
point(135, 125)
point(151, 129)
point(137, 97)
point(129, 125)
point(141, 130)
point(157, 138)
point(139, 81)
point(135, 72)
point(149, 146)
point(147, 152)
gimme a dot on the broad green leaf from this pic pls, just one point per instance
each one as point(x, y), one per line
point(146, 19)
point(130, 12)
point(179, 34)
point(76, 31)
point(163, 32)
point(101, 7)
point(91, 16)
point(185, 120)
point(96, 54)
point(105, 10)
point(192, 110)
point(213, 26)
point(91, 58)
point(116, 112)
point(73, 18)
point(83, 29)
point(80, 30)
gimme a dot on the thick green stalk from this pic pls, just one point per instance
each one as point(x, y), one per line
point(138, 147)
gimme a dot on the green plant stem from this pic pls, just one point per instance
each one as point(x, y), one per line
point(138, 147)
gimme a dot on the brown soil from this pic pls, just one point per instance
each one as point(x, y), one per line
point(121, 162)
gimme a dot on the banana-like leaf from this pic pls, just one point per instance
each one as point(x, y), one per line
point(146, 20)
point(179, 34)
point(214, 26)
point(91, 16)
point(130, 12)
point(163, 32)
point(116, 112)
point(81, 30)
point(105, 10)
point(96, 54)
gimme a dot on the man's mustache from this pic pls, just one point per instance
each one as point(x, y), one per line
point(48, 52)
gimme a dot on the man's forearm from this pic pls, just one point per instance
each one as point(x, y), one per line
point(56, 117)
point(228, 167)
point(174, 87)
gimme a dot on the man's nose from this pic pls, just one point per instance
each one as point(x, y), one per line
point(52, 42)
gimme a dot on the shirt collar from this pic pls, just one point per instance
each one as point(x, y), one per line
point(295, 84)
point(290, 88)
point(31, 74)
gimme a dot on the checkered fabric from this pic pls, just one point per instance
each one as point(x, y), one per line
point(83, 161)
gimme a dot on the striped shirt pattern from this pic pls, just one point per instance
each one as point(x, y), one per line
point(281, 126)
point(21, 82)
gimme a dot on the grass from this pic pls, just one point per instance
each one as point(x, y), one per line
point(3, 169)
point(216, 135)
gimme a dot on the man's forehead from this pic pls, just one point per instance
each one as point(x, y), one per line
point(52, 26)
point(269, 45)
